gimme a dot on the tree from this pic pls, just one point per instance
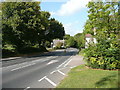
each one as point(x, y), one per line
point(21, 23)
point(80, 40)
point(71, 42)
point(56, 29)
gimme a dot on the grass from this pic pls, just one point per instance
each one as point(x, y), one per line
point(83, 77)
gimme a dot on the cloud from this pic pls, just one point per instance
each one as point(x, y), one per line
point(52, 13)
point(70, 28)
point(71, 7)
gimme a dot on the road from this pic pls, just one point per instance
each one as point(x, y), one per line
point(29, 72)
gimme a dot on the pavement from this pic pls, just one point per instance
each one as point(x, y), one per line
point(41, 71)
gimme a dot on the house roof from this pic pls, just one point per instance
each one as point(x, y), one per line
point(88, 35)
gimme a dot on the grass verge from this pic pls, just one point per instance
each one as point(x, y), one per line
point(83, 77)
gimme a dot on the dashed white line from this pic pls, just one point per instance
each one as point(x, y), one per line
point(53, 72)
point(15, 65)
point(50, 81)
point(53, 61)
point(61, 72)
point(23, 67)
point(16, 68)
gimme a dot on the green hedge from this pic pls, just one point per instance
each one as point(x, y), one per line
point(103, 55)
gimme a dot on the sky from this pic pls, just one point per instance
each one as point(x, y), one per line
point(71, 13)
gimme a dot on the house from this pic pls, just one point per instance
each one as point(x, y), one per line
point(56, 41)
point(89, 39)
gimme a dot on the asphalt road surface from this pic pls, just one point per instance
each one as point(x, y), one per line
point(30, 71)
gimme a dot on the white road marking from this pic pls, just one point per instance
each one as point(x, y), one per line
point(38, 60)
point(23, 67)
point(11, 58)
point(61, 72)
point(53, 61)
point(62, 64)
point(42, 78)
point(16, 69)
point(53, 72)
point(26, 88)
point(68, 62)
point(14, 65)
point(50, 81)
point(73, 67)
point(49, 57)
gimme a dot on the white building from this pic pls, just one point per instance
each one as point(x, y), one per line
point(89, 39)
point(56, 41)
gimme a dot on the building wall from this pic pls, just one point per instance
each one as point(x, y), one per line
point(90, 40)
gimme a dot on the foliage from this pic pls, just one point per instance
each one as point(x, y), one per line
point(25, 25)
point(80, 41)
point(71, 42)
point(21, 22)
point(48, 44)
point(103, 18)
point(56, 29)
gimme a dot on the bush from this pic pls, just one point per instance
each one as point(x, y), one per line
point(7, 53)
point(103, 55)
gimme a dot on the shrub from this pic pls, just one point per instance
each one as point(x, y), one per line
point(103, 55)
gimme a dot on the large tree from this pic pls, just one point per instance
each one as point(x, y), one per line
point(21, 23)
point(56, 29)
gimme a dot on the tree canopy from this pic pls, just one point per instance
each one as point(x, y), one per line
point(24, 25)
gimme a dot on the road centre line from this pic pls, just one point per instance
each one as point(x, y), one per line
point(23, 67)
point(51, 62)
point(40, 60)
point(52, 57)
point(15, 65)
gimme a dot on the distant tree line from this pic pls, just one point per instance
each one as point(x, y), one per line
point(25, 25)
point(76, 41)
